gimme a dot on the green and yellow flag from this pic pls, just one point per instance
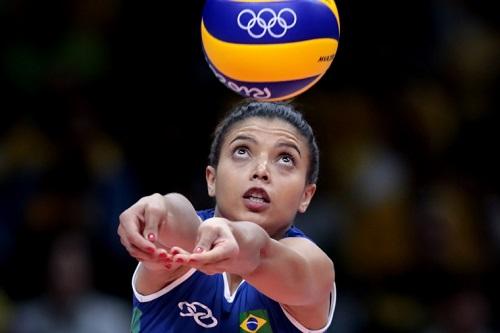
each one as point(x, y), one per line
point(256, 321)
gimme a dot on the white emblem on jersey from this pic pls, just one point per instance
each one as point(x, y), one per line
point(201, 314)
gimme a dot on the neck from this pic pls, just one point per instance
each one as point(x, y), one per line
point(233, 281)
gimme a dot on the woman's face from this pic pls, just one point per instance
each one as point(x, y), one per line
point(261, 175)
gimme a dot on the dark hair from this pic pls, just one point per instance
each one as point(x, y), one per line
point(270, 110)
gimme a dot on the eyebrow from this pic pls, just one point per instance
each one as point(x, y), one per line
point(290, 145)
point(280, 144)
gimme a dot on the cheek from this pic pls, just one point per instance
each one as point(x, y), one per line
point(293, 193)
point(227, 182)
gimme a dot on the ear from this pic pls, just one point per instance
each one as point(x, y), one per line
point(307, 197)
point(210, 176)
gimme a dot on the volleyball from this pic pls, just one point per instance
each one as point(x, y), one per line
point(269, 49)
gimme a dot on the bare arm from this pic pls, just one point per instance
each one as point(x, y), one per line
point(149, 228)
point(299, 275)
point(293, 271)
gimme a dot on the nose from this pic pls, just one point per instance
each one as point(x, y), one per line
point(261, 171)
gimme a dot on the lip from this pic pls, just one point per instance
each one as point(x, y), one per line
point(256, 199)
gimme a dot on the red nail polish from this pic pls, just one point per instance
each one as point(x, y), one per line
point(151, 250)
point(162, 255)
point(179, 260)
point(174, 252)
point(168, 266)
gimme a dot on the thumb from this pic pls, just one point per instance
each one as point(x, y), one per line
point(206, 238)
point(152, 219)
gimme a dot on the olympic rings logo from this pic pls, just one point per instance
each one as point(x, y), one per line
point(201, 313)
point(276, 24)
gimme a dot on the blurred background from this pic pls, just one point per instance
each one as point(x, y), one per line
point(105, 101)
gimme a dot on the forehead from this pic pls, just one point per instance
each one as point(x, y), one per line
point(265, 127)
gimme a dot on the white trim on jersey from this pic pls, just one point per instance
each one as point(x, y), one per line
point(300, 327)
point(227, 290)
point(159, 293)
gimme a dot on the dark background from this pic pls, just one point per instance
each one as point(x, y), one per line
point(103, 102)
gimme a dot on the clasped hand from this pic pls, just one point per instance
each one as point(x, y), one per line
point(161, 233)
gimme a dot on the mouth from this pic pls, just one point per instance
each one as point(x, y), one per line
point(256, 200)
point(257, 195)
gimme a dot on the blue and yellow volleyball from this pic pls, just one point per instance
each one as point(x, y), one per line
point(270, 49)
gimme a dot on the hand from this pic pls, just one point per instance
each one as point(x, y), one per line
point(214, 249)
point(138, 230)
point(217, 250)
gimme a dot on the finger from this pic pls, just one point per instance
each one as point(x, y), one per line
point(139, 254)
point(179, 255)
point(142, 244)
point(133, 250)
point(206, 239)
point(177, 249)
point(154, 214)
point(130, 228)
point(163, 255)
point(223, 245)
point(219, 253)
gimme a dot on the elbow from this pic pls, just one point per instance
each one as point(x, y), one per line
point(324, 280)
point(327, 283)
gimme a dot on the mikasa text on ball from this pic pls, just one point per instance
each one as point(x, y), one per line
point(270, 49)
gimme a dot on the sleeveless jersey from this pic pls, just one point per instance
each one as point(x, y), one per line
point(197, 302)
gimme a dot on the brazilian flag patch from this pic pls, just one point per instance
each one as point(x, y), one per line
point(256, 321)
point(135, 325)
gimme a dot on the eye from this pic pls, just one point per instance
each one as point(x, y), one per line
point(241, 151)
point(287, 159)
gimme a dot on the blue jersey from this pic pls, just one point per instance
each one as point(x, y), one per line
point(197, 302)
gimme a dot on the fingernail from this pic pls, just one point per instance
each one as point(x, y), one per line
point(151, 250)
point(151, 237)
point(162, 255)
point(168, 266)
point(193, 260)
point(179, 260)
point(174, 252)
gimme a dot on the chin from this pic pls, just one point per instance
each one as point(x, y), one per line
point(250, 216)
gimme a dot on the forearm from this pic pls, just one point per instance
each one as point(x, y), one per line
point(148, 281)
point(178, 227)
point(264, 262)
point(291, 276)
